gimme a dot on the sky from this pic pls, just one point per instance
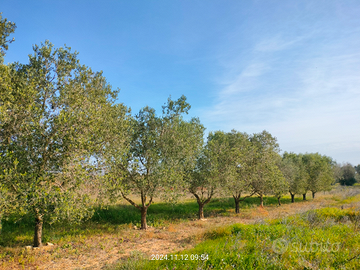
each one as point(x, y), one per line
point(289, 67)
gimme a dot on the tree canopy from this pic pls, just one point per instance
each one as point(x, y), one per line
point(346, 175)
point(51, 111)
point(161, 149)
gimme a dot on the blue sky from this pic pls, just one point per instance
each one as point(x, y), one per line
point(290, 67)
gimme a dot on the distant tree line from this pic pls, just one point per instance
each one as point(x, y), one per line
point(65, 142)
point(347, 174)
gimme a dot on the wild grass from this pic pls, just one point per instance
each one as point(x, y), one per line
point(317, 239)
point(112, 228)
point(18, 230)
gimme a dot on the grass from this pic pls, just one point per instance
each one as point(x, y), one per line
point(111, 231)
point(317, 239)
point(18, 230)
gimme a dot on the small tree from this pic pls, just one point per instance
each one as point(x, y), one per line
point(238, 162)
point(320, 171)
point(202, 184)
point(280, 187)
point(293, 170)
point(205, 180)
point(266, 171)
point(346, 175)
point(160, 150)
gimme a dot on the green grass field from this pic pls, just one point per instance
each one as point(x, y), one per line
point(317, 239)
point(322, 238)
point(18, 230)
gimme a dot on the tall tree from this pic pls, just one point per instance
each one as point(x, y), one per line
point(161, 149)
point(50, 113)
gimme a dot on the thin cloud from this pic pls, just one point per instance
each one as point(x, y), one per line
point(316, 110)
point(246, 80)
point(277, 43)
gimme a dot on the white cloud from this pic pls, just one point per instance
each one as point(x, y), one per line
point(246, 80)
point(277, 43)
point(314, 106)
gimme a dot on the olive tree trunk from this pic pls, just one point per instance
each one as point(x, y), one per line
point(202, 202)
point(143, 218)
point(143, 208)
point(261, 200)
point(38, 231)
point(292, 197)
point(237, 200)
point(201, 211)
point(237, 205)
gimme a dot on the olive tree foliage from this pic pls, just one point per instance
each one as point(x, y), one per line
point(280, 186)
point(161, 149)
point(320, 173)
point(238, 164)
point(51, 113)
point(207, 177)
point(357, 173)
point(6, 29)
point(345, 174)
point(294, 173)
point(264, 161)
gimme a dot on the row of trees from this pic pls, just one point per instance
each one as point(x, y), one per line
point(65, 142)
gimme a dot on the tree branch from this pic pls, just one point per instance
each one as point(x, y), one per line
point(130, 201)
point(151, 198)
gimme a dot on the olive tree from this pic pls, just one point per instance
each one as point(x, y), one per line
point(161, 149)
point(346, 174)
point(264, 160)
point(320, 172)
point(239, 167)
point(357, 173)
point(280, 186)
point(51, 112)
point(6, 29)
point(294, 172)
point(205, 180)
